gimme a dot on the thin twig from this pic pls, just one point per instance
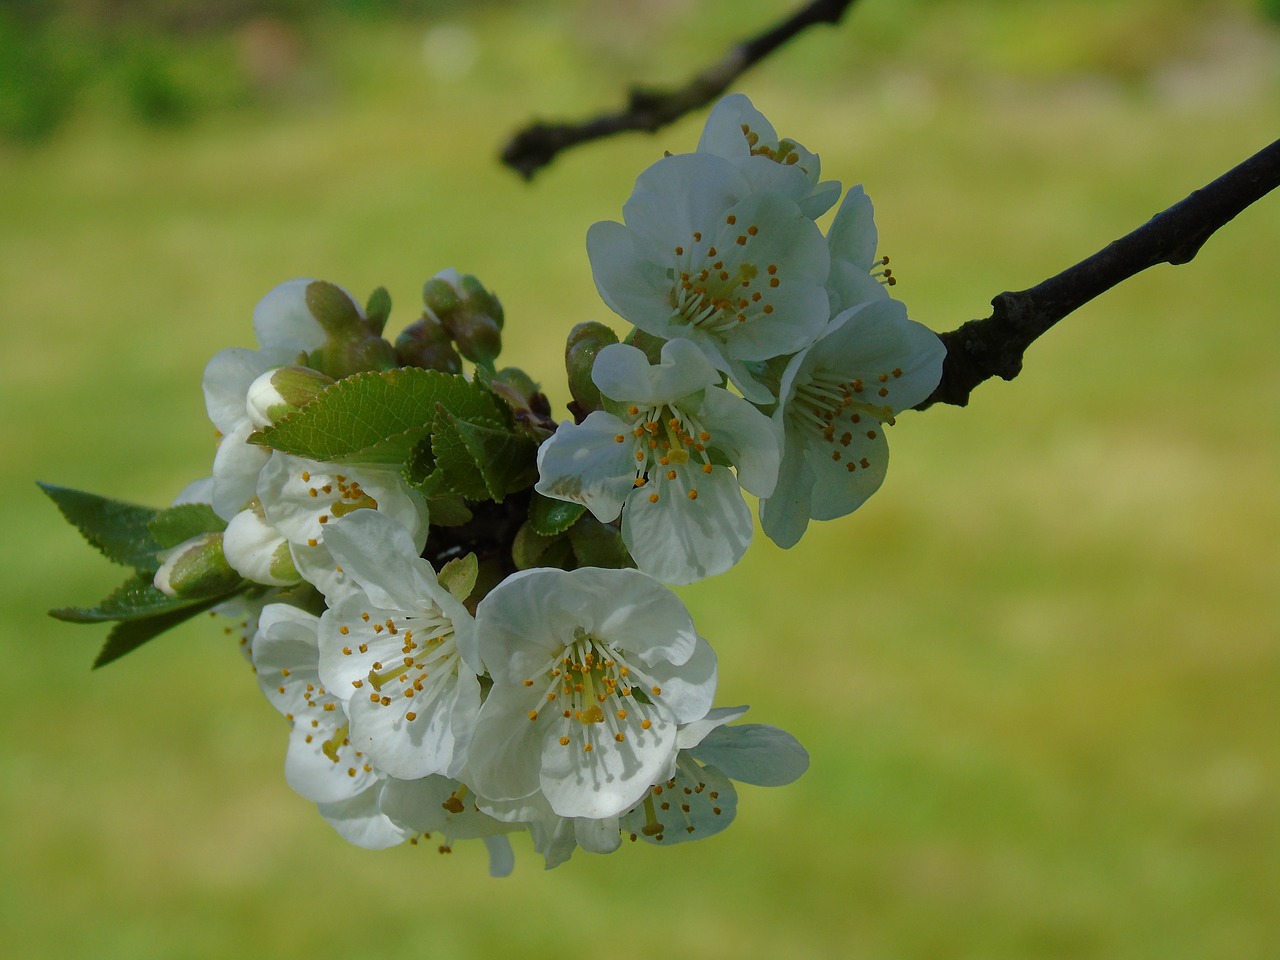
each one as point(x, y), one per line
point(994, 347)
point(538, 144)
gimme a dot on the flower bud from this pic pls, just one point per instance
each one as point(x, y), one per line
point(257, 550)
point(353, 344)
point(278, 393)
point(585, 341)
point(470, 313)
point(342, 358)
point(196, 568)
point(426, 343)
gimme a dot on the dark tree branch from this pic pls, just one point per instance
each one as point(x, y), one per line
point(538, 144)
point(982, 349)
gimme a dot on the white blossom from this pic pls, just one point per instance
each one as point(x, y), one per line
point(738, 132)
point(661, 460)
point(836, 399)
point(400, 650)
point(706, 255)
point(593, 672)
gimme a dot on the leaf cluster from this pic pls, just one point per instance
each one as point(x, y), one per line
point(137, 537)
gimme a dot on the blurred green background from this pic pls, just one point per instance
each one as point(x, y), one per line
point(1037, 673)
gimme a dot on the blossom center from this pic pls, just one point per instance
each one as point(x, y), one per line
point(590, 695)
point(785, 152)
point(716, 291)
point(423, 666)
point(667, 442)
point(841, 411)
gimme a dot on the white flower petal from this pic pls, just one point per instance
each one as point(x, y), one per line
point(301, 497)
point(506, 751)
point(281, 319)
point(384, 559)
point(359, 821)
point(695, 803)
point(227, 378)
point(692, 734)
point(680, 539)
point(612, 778)
point(586, 463)
point(434, 742)
point(236, 468)
point(321, 777)
point(686, 689)
point(754, 753)
point(286, 655)
point(745, 436)
point(623, 373)
point(722, 134)
point(784, 516)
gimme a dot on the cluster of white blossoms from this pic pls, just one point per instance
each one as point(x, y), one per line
point(461, 607)
point(721, 267)
point(572, 704)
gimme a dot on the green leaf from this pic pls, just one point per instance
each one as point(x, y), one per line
point(118, 529)
point(548, 516)
point(135, 599)
point(171, 527)
point(376, 416)
point(127, 636)
point(419, 468)
point(449, 510)
point(482, 460)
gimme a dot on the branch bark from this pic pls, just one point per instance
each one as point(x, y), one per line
point(994, 346)
point(537, 145)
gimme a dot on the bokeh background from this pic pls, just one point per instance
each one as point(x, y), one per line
point(1037, 673)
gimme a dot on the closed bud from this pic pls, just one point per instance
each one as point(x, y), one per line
point(278, 393)
point(439, 295)
point(258, 551)
point(479, 338)
point(342, 358)
point(354, 344)
point(196, 568)
point(585, 341)
point(426, 343)
point(470, 313)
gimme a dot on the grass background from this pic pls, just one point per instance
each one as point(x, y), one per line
point(1037, 673)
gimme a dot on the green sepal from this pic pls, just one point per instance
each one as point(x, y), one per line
point(333, 309)
point(481, 459)
point(172, 526)
point(128, 635)
point(118, 529)
point(548, 516)
point(458, 576)
point(376, 416)
point(377, 310)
